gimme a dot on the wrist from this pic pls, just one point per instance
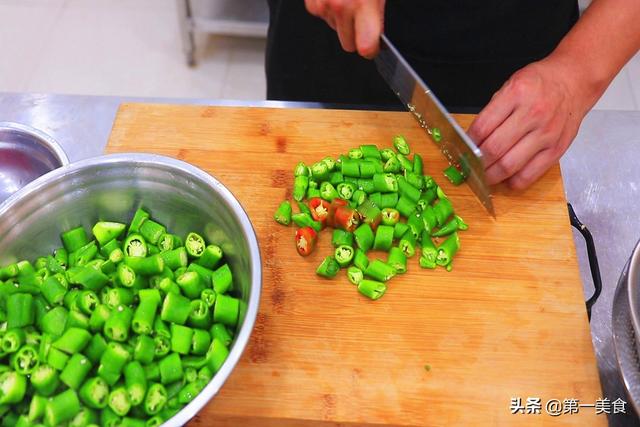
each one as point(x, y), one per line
point(584, 83)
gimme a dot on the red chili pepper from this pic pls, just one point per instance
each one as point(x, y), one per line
point(319, 209)
point(346, 218)
point(335, 204)
point(306, 238)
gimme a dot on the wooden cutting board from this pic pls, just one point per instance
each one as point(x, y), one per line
point(508, 322)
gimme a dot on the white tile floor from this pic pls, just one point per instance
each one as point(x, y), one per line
point(132, 47)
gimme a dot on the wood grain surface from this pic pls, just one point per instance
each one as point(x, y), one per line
point(508, 321)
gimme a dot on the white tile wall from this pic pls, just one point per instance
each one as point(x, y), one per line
point(132, 47)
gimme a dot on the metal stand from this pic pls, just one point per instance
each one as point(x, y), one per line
point(189, 24)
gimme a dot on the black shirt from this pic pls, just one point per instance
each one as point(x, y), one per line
point(463, 49)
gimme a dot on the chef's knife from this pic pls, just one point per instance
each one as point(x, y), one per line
point(454, 143)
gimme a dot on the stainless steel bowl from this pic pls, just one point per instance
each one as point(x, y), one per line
point(25, 154)
point(177, 194)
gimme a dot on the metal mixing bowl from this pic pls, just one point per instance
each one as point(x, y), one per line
point(25, 154)
point(112, 187)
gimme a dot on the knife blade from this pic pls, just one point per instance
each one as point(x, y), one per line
point(431, 115)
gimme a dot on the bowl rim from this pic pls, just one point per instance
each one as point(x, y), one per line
point(47, 140)
point(242, 337)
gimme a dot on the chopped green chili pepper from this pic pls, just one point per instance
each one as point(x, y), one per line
point(427, 263)
point(320, 171)
point(429, 250)
point(194, 244)
point(360, 259)
point(399, 229)
point(388, 200)
point(170, 368)
point(57, 358)
point(105, 231)
point(304, 220)
point(416, 224)
point(429, 219)
point(300, 185)
point(385, 182)
point(390, 216)
point(144, 316)
point(375, 198)
point(200, 341)
point(61, 408)
point(190, 284)
point(94, 393)
point(117, 326)
point(145, 266)
point(401, 145)
point(408, 244)
point(346, 190)
point(176, 258)
point(176, 309)
point(135, 246)
point(226, 310)
point(364, 237)
point(355, 275)
point(99, 317)
point(112, 362)
point(25, 360)
point(118, 401)
point(418, 164)
point(383, 238)
point(398, 260)
point(156, 399)
point(366, 185)
point(443, 210)
point(199, 316)
point(113, 297)
point(380, 271)
point(328, 268)
point(436, 135)
point(405, 206)
point(387, 153)
point(283, 213)
point(461, 224)
point(330, 162)
point(355, 153)
point(222, 279)
point(392, 165)
point(151, 231)
point(73, 340)
point(36, 407)
point(328, 191)
point(343, 255)
point(74, 239)
point(372, 289)
point(454, 175)
point(371, 213)
point(370, 152)
point(336, 178)
point(75, 371)
point(447, 228)
point(95, 348)
point(139, 217)
point(144, 348)
point(408, 191)
point(440, 193)
point(341, 237)
point(405, 163)
point(219, 331)
point(350, 168)
point(45, 380)
point(448, 249)
point(367, 168)
point(20, 311)
point(414, 180)
point(301, 169)
point(217, 355)
point(135, 382)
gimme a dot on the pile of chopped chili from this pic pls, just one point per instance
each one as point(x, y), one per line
point(374, 200)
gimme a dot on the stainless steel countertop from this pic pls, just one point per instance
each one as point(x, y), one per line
point(601, 177)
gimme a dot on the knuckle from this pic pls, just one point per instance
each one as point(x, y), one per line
point(507, 166)
point(336, 6)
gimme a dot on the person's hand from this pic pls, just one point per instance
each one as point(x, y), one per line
point(529, 123)
point(359, 23)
